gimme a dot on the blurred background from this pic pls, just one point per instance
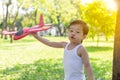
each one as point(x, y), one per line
point(99, 14)
point(28, 59)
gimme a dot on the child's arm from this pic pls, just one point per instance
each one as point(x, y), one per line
point(49, 43)
point(83, 53)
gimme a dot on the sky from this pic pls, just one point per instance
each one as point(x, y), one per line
point(110, 3)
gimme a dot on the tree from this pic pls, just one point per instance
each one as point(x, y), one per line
point(5, 19)
point(59, 14)
point(100, 19)
point(9, 18)
point(116, 56)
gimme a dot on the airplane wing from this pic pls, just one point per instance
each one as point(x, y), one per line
point(34, 29)
point(8, 32)
point(22, 33)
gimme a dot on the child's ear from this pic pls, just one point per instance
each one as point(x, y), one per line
point(84, 36)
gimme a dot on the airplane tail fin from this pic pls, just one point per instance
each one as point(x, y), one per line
point(41, 23)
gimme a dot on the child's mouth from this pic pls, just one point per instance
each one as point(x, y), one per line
point(72, 37)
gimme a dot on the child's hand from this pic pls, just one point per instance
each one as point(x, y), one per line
point(34, 33)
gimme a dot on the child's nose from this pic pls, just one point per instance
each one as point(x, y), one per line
point(73, 33)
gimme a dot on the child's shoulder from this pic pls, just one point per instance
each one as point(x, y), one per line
point(82, 50)
point(81, 47)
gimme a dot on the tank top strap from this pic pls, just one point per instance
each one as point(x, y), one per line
point(66, 45)
point(76, 48)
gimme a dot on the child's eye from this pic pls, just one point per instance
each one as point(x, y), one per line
point(78, 32)
point(71, 30)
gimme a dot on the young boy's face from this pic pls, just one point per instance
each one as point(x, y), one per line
point(76, 33)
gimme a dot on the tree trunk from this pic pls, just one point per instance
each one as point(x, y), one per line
point(98, 38)
point(35, 16)
point(58, 26)
point(116, 55)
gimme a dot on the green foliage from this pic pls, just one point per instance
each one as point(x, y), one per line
point(100, 19)
point(1, 25)
point(28, 59)
point(42, 69)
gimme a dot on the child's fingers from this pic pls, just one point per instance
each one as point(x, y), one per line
point(33, 33)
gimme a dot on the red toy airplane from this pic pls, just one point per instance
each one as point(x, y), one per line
point(24, 32)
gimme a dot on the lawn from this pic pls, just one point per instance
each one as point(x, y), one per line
point(28, 59)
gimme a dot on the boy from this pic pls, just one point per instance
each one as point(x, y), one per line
point(75, 55)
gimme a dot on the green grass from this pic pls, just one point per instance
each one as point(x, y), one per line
point(28, 59)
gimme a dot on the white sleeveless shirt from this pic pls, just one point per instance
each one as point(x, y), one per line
point(73, 65)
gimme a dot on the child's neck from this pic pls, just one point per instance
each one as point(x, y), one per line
point(74, 43)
